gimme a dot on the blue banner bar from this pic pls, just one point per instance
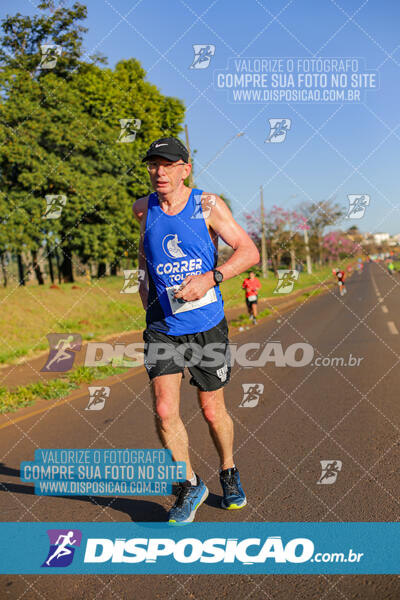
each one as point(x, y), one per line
point(204, 548)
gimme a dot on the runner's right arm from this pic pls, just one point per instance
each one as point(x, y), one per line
point(140, 212)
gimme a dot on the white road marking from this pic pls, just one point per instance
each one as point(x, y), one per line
point(392, 328)
point(384, 308)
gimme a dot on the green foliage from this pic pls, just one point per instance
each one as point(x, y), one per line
point(59, 131)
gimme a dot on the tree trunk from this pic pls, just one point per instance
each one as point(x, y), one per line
point(51, 272)
point(274, 259)
point(36, 267)
point(21, 275)
point(114, 268)
point(101, 270)
point(308, 257)
point(58, 264)
point(320, 249)
point(4, 269)
point(278, 260)
point(291, 248)
point(66, 266)
point(292, 259)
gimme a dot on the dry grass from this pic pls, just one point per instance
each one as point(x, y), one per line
point(29, 313)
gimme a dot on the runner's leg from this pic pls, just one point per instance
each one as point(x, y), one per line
point(219, 423)
point(170, 428)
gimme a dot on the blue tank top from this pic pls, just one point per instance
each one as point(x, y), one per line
point(176, 246)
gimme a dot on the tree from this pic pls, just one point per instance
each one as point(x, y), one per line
point(59, 132)
point(23, 36)
point(337, 245)
point(320, 215)
point(282, 231)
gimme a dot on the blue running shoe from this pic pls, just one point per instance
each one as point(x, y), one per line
point(234, 496)
point(190, 497)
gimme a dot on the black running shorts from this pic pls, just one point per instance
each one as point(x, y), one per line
point(206, 354)
point(251, 302)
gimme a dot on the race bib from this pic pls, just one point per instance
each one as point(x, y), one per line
point(178, 305)
point(251, 298)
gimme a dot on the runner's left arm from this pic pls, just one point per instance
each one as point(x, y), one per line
point(245, 253)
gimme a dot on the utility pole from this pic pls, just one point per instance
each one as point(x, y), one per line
point(190, 156)
point(308, 257)
point(264, 257)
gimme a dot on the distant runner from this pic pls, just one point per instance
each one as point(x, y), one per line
point(178, 250)
point(251, 284)
point(340, 275)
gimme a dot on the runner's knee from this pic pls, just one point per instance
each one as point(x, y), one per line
point(213, 412)
point(166, 408)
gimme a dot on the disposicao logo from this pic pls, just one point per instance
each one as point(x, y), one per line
point(191, 550)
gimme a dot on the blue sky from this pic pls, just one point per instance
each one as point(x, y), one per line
point(331, 150)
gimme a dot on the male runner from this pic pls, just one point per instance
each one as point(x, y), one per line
point(178, 250)
point(251, 284)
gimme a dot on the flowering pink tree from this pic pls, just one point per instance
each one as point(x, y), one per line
point(281, 228)
point(337, 245)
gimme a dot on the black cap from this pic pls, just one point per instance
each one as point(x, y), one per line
point(170, 148)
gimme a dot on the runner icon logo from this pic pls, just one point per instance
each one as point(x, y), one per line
point(98, 397)
point(203, 205)
point(286, 281)
point(133, 277)
point(62, 547)
point(50, 54)
point(129, 129)
point(357, 205)
point(62, 351)
point(251, 394)
point(330, 470)
point(202, 56)
point(278, 129)
point(54, 205)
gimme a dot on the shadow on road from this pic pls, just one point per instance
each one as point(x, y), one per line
point(138, 510)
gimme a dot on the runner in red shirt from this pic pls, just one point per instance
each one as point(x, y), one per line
point(341, 276)
point(252, 285)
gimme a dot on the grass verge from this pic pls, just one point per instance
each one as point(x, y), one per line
point(98, 310)
point(23, 396)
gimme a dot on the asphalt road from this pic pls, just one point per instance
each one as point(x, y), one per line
point(306, 414)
